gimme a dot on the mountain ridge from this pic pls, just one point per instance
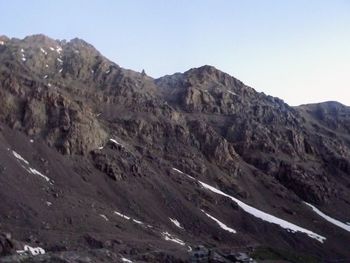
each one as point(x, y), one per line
point(108, 138)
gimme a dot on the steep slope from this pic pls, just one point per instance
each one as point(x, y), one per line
point(94, 156)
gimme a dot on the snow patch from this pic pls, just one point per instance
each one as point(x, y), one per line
point(329, 219)
point(31, 140)
point(30, 169)
point(231, 92)
point(60, 60)
point(46, 66)
point(52, 49)
point(116, 142)
point(43, 51)
point(49, 84)
point(132, 219)
point(176, 223)
point(23, 55)
point(58, 49)
point(137, 221)
point(177, 170)
point(45, 77)
point(126, 260)
point(222, 225)
point(34, 251)
point(104, 217)
point(108, 71)
point(60, 70)
point(121, 215)
point(2, 43)
point(169, 237)
point(48, 203)
point(19, 157)
point(260, 214)
point(33, 171)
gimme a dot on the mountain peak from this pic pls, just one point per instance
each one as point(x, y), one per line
point(89, 147)
point(39, 39)
point(206, 68)
point(80, 43)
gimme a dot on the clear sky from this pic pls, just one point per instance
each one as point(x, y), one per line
point(298, 50)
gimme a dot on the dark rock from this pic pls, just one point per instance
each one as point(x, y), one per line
point(208, 124)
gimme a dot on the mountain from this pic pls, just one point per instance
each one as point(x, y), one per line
point(103, 164)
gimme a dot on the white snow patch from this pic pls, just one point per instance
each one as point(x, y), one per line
point(31, 140)
point(100, 148)
point(19, 157)
point(48, 203)
point(49, 84)
point(126, 260)
point(60, 60)
point(329, 219)
point(2, 43)
point(29, 169)
point(33, 171)
point(116, 142)
point(229, 91)
point(133, 219)
point(45, 77)
point(46, 66)
point(121, 215)
point(169, 237)
point(222, 225)
point(60, 70)
point(58, 49)
point(177, 170)
point(176, 223)
point(137, 221)
point(189, 249)
point(52, 49)
point(108, 71)
point(23, 55)
point(104, 217)
point(260, 214)
point(34, 251)
point(43, 51)
point(92, 71)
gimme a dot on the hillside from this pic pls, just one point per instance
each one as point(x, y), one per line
point(111, 163)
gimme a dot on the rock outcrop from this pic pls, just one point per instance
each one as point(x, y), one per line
point(109, 140)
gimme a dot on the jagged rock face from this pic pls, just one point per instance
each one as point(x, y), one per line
point(53, 116)
point(121, 132)
point(265, 131)
point(7, 246)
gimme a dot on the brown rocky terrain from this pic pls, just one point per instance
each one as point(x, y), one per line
point(87, 151)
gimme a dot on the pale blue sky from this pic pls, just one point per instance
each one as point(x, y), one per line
point(298, 50)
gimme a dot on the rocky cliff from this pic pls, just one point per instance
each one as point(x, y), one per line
point(87, 151)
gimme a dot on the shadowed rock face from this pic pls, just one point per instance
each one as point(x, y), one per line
point(108, 138)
